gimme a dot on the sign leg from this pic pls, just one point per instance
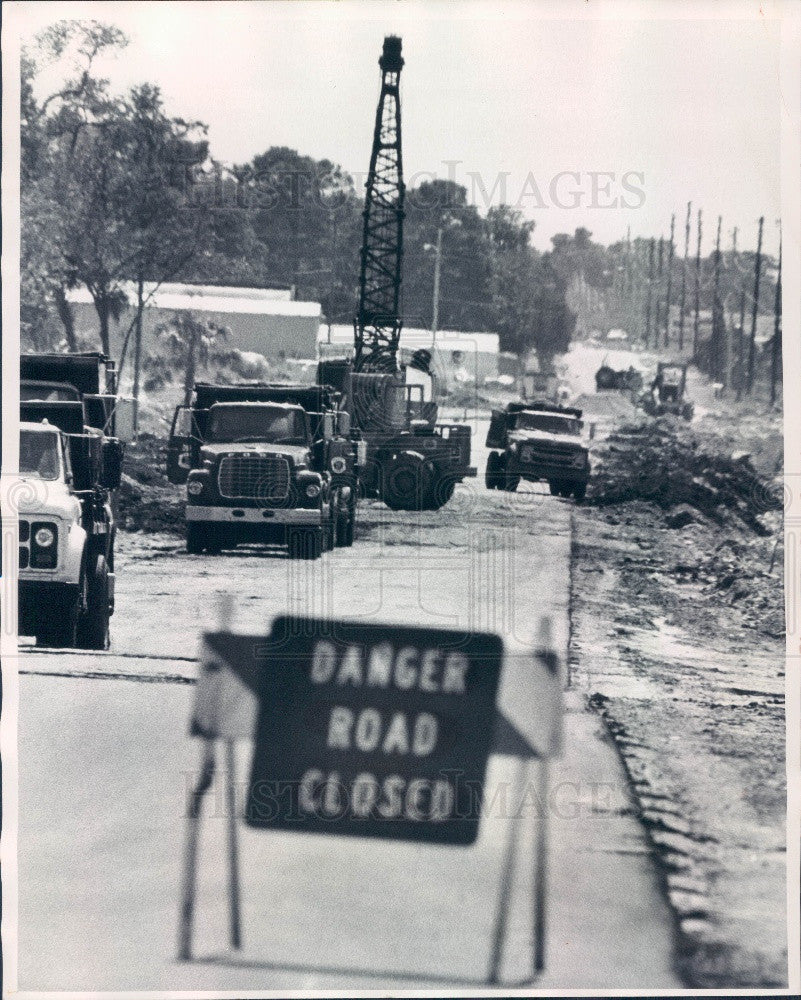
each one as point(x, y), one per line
point(540, 869)
point(507, 874)
point(189, 878)
point(233, 847)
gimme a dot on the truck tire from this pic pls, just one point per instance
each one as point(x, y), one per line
point(492, 476)
point(579, 491)
point(93, 628)
point(305, 543)
point(63, 633)
point(554, 488)
point(509, 481)
point(441, 492)
point(346, 520)
point(195, 538)
point(407, 482)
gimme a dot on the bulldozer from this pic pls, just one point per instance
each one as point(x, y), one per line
point(668, 391)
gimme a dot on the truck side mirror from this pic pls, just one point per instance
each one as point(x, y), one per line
point(179, 446)
point(111, 473)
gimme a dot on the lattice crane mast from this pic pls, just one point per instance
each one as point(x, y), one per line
point(378, 323)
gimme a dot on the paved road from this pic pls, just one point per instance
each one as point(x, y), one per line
point(105, 763)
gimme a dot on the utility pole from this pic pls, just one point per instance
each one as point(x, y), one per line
point(718, 365)
point(683, 300)
point(437, 267)
point(741, 346)
point(658, 315)
point(651, 248)
point(697, 288)
point(755, 309)
point(777, 330)
point(669, 278)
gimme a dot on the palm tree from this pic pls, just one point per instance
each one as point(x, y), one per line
point(191, 343)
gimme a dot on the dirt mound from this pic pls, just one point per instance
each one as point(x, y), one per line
point(667, 463)
point(147, 500)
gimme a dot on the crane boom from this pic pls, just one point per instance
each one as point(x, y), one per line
point(378, 323)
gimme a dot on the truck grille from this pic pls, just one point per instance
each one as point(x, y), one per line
point(549, 453)
point(24, 539)
point(262, 477)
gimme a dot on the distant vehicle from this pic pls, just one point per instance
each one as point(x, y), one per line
point(608, 379)
point(617, 335)
point(72, 464)
point(538, 441)
point(667, 393)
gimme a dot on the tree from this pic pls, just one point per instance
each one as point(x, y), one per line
point(190, 344)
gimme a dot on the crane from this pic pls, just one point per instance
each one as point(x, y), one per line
point(410, 462)
point(378, 323)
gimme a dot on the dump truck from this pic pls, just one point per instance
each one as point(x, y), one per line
point(538, 441)
point(668, 389)
point(69, 469)
point(265, 463)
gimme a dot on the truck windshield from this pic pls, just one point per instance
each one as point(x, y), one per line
point(552, 423)
point(273, 424)
point(38, 454)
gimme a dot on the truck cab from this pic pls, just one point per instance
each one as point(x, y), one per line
point(264, 463)
point(538, 442)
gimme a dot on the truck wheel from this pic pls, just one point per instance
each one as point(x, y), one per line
point(509, 481)
point(93, 629)
point(407, 482)
point(580, 491)
point(63, 633)
point(195, 538)
point(305, 543)
point(492, 476)
point(441, 492)
point(554, 488)
point(345, 524)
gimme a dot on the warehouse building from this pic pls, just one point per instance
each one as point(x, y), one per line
point(267, 321)
point(458, 356)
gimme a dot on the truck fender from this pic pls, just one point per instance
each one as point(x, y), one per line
point(76, 545)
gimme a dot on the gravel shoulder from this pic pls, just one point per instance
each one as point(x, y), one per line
point(678, 642)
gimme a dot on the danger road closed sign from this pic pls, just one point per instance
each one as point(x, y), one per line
point(371, 730)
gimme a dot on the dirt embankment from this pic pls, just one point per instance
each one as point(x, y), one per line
point(148, 501)
point(677, 640)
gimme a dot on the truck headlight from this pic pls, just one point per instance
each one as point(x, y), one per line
point(195, 488)
point(44, 548)
point(312, 490)
point(338, 465)
point(44, 538)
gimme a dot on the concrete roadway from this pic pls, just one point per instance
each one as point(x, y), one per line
point(106, 762)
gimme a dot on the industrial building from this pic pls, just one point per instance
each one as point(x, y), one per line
point(267, 321)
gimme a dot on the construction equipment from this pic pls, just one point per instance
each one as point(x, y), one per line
point(412, 463)
point(71, 464)
point(668, 389)
point(265, 463)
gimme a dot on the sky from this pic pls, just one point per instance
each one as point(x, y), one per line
point(612, 122)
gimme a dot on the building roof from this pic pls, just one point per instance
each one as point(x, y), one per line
point(414, 338)
point(213, 298)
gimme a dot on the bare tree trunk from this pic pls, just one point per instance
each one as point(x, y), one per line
point(100, 299)
point(191, 364)
point(140, 307)
point(66, 317)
